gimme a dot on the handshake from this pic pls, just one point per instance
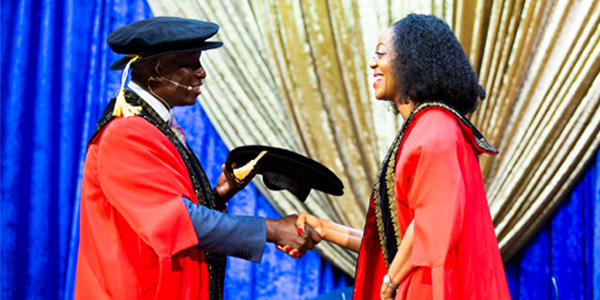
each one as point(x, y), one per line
point(294, 234)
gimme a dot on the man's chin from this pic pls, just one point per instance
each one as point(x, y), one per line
point(190, 102)
point(184, 104)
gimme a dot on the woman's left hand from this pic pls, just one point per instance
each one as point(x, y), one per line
point(387, 293)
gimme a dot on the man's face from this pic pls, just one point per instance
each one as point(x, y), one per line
point(182, 76)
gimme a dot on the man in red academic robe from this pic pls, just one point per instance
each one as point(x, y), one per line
point(151, 225)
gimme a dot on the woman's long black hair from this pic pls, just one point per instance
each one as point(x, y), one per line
point(432, 66)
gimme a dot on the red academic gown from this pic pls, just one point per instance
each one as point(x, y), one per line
point(136, 236)
point(439, 185)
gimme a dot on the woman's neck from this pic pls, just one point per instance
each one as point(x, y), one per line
point(405, 108)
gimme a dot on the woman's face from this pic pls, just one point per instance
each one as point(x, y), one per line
point(382, 64)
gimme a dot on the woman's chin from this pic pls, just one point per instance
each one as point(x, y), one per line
point(382, 98)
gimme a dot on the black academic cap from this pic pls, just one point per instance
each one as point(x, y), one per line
point(283, 169)
point(159, 36)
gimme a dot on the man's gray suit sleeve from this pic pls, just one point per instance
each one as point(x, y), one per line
point(239, 236)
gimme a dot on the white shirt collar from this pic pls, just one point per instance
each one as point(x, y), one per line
point(156, 104)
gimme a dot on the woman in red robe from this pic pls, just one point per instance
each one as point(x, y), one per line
point(428, 233)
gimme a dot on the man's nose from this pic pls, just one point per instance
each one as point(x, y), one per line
point(201, 72)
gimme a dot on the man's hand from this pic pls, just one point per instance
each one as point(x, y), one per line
point(228, 185)
point(285, 232)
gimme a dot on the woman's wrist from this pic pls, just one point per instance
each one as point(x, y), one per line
point(387, 280)
point(325, 226)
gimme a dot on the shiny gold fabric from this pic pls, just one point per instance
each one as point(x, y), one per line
point(294, 74)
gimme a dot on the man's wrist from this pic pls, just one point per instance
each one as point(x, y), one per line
point(271, 230)
point(221, 204)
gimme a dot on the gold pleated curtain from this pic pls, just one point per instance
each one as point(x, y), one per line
point(294, 74)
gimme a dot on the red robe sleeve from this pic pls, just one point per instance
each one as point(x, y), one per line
point(436, 194)
point(144, 177)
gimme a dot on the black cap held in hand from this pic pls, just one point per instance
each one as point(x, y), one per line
point(159, 36)
point(286, 170)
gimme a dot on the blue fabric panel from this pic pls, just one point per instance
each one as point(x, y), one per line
point(567, 253)
point(339, 294)
point(535, 268)
point(591, 183)
point(512, 277)
point(563, 259)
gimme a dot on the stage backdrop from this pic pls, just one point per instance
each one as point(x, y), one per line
point(55, 83)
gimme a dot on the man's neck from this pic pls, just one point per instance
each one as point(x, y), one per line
point(155, 103)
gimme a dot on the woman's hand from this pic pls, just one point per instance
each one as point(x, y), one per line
point(283, 232)
point(387, 293)
point(319, 225)
point(346, 237)
point(304, 218)
point(400, 266)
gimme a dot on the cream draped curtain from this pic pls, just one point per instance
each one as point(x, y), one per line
point(294, 74)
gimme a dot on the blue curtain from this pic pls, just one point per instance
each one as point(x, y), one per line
point(55, 84)
point(563, 259)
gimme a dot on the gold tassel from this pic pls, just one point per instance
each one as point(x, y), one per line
point(242, 172)
point(122, 108)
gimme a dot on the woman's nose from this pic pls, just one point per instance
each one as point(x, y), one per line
point(373, 63)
